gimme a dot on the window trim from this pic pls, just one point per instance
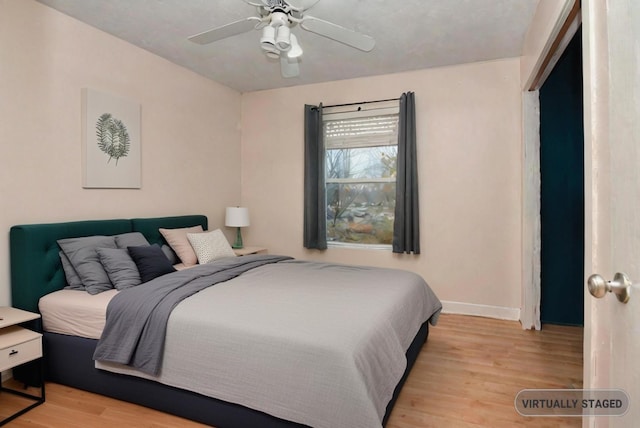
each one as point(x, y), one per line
point(354, 246)
point(393, 110)
point(360, 180)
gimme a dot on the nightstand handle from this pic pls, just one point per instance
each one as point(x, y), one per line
point(13, 352)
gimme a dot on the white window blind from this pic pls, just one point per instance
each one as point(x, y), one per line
point(361, 129)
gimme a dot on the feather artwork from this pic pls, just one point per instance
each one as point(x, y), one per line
point(113, 137)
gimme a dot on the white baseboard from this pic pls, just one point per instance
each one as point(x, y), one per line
point(499, 312)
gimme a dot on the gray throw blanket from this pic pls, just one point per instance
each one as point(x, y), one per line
point(136, 322)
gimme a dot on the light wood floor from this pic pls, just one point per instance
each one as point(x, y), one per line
point(467, 375)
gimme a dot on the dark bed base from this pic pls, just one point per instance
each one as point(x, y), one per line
point(69, 362)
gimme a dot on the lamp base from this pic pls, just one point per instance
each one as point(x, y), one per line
point(238, 244)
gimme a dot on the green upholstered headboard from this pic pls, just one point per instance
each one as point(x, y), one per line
point(149, 226)
point(36, 269)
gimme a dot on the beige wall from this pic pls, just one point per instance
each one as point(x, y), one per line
point(469, 131)
point(469, 148)
point(189, 127)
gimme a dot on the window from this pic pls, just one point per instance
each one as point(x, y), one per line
point(360, 173)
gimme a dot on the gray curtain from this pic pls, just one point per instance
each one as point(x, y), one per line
point(315, 206)
point(406, 227)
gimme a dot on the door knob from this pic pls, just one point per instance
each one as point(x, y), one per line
point(620, 286)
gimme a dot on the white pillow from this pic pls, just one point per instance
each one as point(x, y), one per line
point(210, 246)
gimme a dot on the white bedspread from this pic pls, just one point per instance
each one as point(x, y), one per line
point(318, 344)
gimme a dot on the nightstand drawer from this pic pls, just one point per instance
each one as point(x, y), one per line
point(18, 346)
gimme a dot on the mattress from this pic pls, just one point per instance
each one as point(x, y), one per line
point(75, 312)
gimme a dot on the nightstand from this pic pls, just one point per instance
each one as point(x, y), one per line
point(249, 250)
point(18, 346)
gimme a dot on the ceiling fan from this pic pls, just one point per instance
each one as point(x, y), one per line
point(275, 19)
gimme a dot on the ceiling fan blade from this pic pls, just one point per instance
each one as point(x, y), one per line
point(225, 31)
point(253, 3)
point(289, 67)
point(300, 5)
point(338, 33)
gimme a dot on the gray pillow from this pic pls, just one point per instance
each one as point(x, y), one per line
point(173, 259)
point(122, 271)
point(73, 280)
point(84, 258)
point(131, 239)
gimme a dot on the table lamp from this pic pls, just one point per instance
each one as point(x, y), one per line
point(237, 217)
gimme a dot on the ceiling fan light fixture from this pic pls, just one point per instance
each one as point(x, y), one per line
point(296, 49)
point(274, 54)
point(283, 38)
point(267, 41)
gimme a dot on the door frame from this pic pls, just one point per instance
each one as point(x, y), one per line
point(564, 29)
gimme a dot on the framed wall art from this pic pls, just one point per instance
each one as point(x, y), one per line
point(111, 150)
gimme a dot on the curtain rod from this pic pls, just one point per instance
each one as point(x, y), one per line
point(361, 102)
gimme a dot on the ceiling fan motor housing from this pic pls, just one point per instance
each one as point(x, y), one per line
point(273, 4)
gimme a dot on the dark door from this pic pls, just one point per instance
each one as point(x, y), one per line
point(562, 190)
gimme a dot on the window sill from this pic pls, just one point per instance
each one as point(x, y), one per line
point(350, 246)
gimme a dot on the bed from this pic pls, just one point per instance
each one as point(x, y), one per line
point(232, 392)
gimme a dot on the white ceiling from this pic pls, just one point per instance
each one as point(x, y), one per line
point(409, 34)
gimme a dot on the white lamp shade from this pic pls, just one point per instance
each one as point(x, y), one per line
point(283, 38)
point(268, 39)
point(275, 53)
point(237, 217)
